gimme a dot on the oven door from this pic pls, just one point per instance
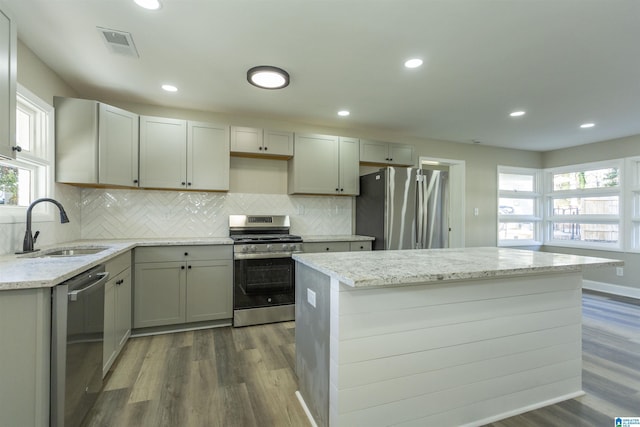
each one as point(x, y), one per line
point(263, 282)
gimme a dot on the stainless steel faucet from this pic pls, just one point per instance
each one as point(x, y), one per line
point(29, 239)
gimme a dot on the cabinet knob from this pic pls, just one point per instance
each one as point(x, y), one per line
point(188, 183)
point(391, 160)
point(337, 189)
point(342, 189)
point(387, 159)
point(260, 148)
point(183, 183)
point(189, 267)
point(186, 254)
point(182, 267)
point(135, 181)
point(326, 249)
point(361, 247)
point(266, 148)
point(16, 148)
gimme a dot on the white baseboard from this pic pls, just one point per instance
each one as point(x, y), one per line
point(608, 288)
point(306, 409)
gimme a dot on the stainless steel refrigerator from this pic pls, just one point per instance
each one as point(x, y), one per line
point(404, 208)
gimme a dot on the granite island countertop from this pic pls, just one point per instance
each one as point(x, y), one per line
point(380, 268)
point(30, 271)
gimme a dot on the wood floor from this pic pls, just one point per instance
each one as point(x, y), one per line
point(246, 377)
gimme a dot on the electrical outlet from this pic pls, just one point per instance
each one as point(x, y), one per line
point(476, 211)
point(619, 271)
point(311, 297)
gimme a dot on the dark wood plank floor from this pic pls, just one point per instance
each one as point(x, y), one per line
point(246, 376)
point(213, 377)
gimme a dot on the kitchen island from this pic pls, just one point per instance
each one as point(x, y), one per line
point(437, 337)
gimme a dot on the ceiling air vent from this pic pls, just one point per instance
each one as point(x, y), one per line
point(119, 42)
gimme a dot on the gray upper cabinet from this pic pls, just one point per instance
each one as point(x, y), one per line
point(8, 69)
point(324, 164)
point(207, 156)
point(96, 143)
point(176, 154)
point(386, 153)
point(254, 142)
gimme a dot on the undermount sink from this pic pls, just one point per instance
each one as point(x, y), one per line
point(72, 252)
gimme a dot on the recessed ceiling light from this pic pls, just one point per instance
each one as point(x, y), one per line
point(517, 113)
point(268, 77)
point(149, 4)
point(170, 88)
point(413, 63)
point(587, 125)
point(343, 113)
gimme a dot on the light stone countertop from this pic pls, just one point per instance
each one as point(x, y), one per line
point(30, 271)
point(337, 238)
point(380, 268)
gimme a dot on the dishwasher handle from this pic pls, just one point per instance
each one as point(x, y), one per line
point(73, 295)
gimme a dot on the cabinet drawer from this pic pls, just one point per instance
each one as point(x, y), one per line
point(360, 246)
point(118, 264)
point(325, 247)
point(183, 253)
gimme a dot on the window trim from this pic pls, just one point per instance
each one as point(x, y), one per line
point(550, 219)
point(39, 160)
point(535, 195)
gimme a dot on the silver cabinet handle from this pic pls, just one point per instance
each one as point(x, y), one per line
point(73, 295)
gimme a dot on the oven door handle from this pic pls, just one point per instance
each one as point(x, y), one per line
point(262, 255)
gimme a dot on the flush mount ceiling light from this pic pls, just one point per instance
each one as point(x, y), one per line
point(587, 125)
point(517, 114)
point(148, 4)
point(413, 63)
point(268, 77)
point(169, 88)
point(343, 113)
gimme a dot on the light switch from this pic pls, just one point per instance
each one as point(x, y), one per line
point(311, 297)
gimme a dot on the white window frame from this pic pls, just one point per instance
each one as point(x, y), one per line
point(551, 219)
point(535, 195)
point(39, 160)
point(632, 203)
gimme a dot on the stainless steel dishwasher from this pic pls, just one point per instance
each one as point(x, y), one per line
point(77, 335)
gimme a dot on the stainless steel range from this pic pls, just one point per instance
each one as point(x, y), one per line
point(264, 273)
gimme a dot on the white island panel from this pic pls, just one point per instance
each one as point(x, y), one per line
point(426, 338)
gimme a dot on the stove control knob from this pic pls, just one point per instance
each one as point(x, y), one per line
point(269, 248)
point(294, 247)
point(285, 247)
point(245, 249)
point(253, 248)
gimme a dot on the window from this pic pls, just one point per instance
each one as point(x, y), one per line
point(584, 205)
point(632, 184)
point(519, 207)
point(27, 178)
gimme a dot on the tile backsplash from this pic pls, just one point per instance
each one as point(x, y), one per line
point(116, 214)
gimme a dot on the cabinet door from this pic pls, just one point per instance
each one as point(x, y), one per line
point(118, 142)
point(163, 153)
point(401, 154)
point(374, 152)
point(209, 290)
point(123, 309)
point(314, 168)
point(246, 140)
point(349, 166)
point(7, 86)
point(109, 343)
point(159, 294)
point(278, 143)
point(208, 157)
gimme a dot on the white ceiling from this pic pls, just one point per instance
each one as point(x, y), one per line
point(564, 62)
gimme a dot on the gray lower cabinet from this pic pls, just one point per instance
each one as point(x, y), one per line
point(336, 246)
point(25, 335)
point(182, 284)
point(117, 309)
